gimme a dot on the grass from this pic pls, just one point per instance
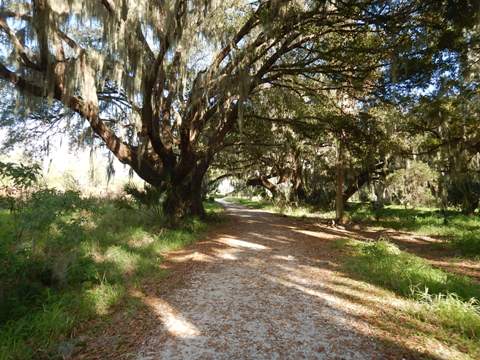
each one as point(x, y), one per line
point(461, 231)
point(440, 298)
point(383, 263)
point(111, 249)
point(452, 313)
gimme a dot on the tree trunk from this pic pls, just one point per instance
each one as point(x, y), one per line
point(339, 204)
point(379, 189)
point(182, 201)
point(185, 198)
point(469, 206)
point(442, 192)
point(363, 178)
point(298, 191)
point(264, 182)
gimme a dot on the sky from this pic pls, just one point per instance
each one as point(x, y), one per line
point(65, 168)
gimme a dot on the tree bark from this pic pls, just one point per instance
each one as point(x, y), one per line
point(340, 178)
point(184, 195)
point(182, 201)
point(362, 178)
point(298, 190)
point(264, 182)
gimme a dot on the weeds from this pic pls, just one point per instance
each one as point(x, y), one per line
point(451, 312)
point(72, 260)
point(383, 263)
point(441, 298)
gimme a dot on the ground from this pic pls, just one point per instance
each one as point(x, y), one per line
point(264, 286)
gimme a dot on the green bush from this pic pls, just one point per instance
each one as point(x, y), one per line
point(40, 243)
point(468, 243)
point(149, 197)
point(410, 186)
point(464, 191)
point(64, 259)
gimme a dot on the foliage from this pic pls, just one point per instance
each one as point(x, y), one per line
point(40, 244)
point(464, 191)
point(410, 186)
point(20, 175)
point(73, 261)
point(16, 180)
point(440, 298)
point(451, 312)
point(385, 264)
point(166, 100)
point(149, 197)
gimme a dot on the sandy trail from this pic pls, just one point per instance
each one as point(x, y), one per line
point(269, 290)
point(264, 286)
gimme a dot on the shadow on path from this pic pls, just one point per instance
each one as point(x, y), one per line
point(262, 286)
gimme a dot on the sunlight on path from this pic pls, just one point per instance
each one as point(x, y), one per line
point(267, 293)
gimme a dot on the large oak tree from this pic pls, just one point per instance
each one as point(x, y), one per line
point(162, 83)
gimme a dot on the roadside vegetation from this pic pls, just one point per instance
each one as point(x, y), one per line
point(448, 301)
point(66, 258)
point(459, 231)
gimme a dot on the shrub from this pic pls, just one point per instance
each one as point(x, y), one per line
point(39, 245)
point(468, 243)
point(464, 191)
point(149, 197)
point(410, 186)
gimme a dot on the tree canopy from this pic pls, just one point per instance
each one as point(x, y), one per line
point(167, 86)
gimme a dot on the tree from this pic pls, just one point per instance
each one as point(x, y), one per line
point(161, 83)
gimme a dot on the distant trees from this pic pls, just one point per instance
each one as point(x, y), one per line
point(163, 85)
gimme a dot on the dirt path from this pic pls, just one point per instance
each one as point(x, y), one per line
point(263, 286)
point(267, 287)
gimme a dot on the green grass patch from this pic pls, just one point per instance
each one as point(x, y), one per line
point(451, 312)
point(383, 263)
point(441, 298)
point(77, 267)
point(461, 231)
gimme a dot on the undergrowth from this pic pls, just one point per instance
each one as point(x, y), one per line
point(460, 232)
point(64, 259)
point(441, 298)
point(383, 263)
